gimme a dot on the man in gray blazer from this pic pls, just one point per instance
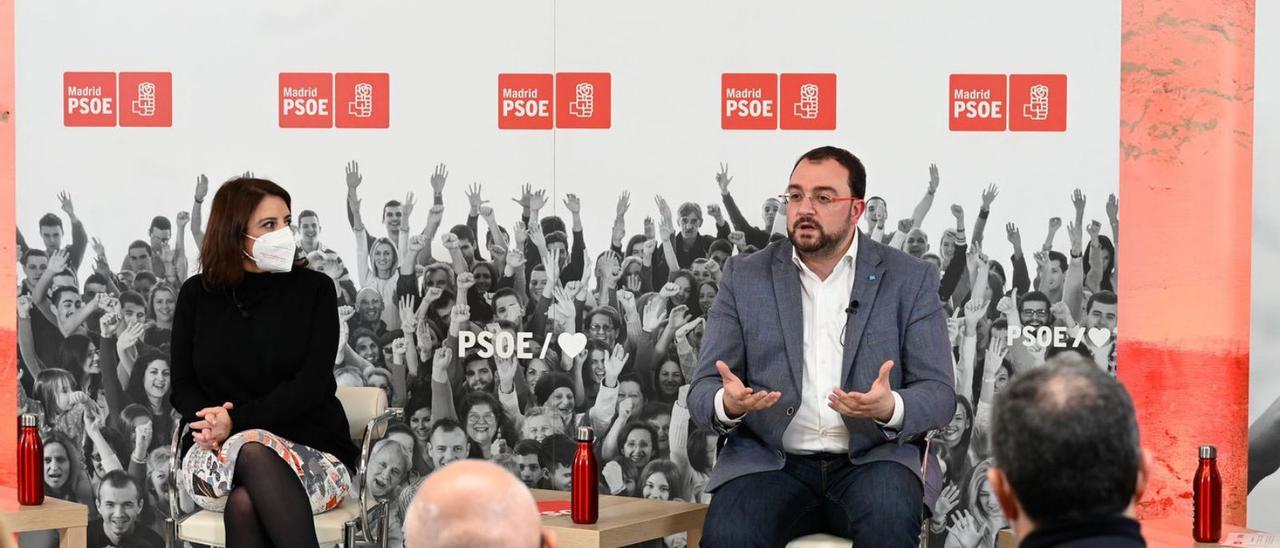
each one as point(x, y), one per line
point(824, 363)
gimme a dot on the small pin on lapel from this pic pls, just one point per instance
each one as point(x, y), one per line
point(872, 277)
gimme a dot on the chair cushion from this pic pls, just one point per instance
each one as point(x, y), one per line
point(361, 403)
point(820, 541)
point(205, 527)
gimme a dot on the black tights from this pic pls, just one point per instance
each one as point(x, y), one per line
point(268, 505)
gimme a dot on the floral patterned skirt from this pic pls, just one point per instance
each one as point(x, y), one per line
point(206, 475)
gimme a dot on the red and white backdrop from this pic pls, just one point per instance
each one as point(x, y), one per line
point(123, 107)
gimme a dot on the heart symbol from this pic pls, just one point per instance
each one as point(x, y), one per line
point(1099, 335)
point(572, 343)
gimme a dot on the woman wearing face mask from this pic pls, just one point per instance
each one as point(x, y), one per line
point(252, 372)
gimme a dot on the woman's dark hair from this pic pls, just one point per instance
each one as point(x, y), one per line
point(957, 457)
point(1107, 268)
point(691, 300)
point(637, 424)
point(162, 422)
point(633, 243)
point(473, 398)
point(72, 355)
point(222, 250)
point(697, 451)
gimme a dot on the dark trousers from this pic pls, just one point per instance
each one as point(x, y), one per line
point(879, 504)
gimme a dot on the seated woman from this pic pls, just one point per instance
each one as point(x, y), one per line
point(253, 351)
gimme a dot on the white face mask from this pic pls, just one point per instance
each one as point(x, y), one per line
point(274, 251)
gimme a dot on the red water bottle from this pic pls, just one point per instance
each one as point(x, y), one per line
point(30, 462)
point(585, 498)
point(1207, 495)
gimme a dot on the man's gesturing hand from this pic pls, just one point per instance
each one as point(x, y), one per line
point(876, 403)
point(739, 398)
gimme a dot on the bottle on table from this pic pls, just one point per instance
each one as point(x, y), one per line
point(30, 462)
point(1207, 496)
point(585, 495)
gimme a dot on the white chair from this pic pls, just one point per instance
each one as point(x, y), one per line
point(349, 524)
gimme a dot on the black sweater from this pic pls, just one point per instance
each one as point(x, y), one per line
point(267, 346)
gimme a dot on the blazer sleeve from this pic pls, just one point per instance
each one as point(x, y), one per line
point(722, 340)
point(928, 383)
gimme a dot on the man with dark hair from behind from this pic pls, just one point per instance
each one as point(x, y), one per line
point(1067, 466)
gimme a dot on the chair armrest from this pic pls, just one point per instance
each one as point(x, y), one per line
point(363, 473)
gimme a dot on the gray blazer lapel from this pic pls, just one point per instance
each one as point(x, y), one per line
point(866, 284)
point(786, 293)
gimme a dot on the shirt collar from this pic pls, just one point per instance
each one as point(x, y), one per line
point(850, 255)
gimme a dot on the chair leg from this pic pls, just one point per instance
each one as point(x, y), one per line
point(349, 534)
point(170, 533)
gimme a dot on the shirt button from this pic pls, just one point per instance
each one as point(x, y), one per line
point(791, 411)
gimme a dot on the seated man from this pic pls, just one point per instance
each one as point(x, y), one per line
point(1067, 468)
point(460, 504)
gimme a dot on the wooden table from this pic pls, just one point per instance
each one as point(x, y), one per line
point(626, 520)
point(1160, 533)
point(70, 519)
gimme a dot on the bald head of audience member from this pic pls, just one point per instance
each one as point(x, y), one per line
point(474, 503)
point(1065, 448)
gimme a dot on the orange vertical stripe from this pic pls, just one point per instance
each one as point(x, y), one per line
point(8, 267)
point(1186, 138)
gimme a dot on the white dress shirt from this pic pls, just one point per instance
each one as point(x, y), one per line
point(816, 427)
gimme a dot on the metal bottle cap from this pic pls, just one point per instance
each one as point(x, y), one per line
point(1208, 452)
point(585, 434)
point(28, 419)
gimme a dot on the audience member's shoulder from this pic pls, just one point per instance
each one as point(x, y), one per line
point(896, 258)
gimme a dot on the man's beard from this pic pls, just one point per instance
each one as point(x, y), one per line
point(825, 244)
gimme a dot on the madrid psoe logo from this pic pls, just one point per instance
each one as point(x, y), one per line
point(145, 104)
point(1037, 107)
point(584, 100)
point(362, 105)
point(807, 107)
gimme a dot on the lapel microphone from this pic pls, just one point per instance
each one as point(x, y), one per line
point(852, 308)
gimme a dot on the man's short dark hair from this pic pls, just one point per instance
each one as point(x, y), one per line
point(1034, 296)
point(140, 244)
point(720, 245)
point(95, 278)
point(308, 213)
point(161, 222)
point(1059, 258)
point(144, 275)
point(463, 232)
point(132, 297)
point(388, 205)
point(557, 449)
point(444, 423)
point(119, 479)
point(49, 219)
point(58, 291)
point(33, 252)
point(1104, 297)
point(552, 223)
point(557, 237)
point(532, 447)
point(1066, 437)
point(857, 173)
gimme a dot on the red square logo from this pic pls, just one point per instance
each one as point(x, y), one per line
point(362, 100)
point(146, 99)
point(749, 101)
point(807, 101)
point(1037, 102)
point(306, 99)
point(582, 100)
point(524, 101)
point(976, 102)
point(89, 99)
